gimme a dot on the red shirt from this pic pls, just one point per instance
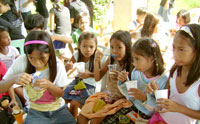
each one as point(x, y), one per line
point(3, 70)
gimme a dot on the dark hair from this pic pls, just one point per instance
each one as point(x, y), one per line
point(57, 5)
point(185, 14)
point(2, 29)
point(67, 3)
point(44, 36)
point(150, 22)
point(141, 11)
point(148, 47)
point(125, 38)
point(34, 21)
point(12, 7)
point(55, 1)
point(86, 36)
point(194, 72)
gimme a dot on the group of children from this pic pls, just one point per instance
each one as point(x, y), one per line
point(142, 62)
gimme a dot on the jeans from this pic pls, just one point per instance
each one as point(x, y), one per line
point(164, 13)
point(60, 116)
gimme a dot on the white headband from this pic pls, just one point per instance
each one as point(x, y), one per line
point(187, 30)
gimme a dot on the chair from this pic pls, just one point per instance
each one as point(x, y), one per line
point(19, 44)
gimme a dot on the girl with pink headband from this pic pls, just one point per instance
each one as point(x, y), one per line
point(42, 77)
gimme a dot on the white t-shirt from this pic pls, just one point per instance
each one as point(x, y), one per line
point(19, 6)
point(19, 66)
point(89, 81)
point(9, 58)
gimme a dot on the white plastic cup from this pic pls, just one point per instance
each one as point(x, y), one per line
point(112, 67)
point(131, 84)
point(81, 67)
point(161, 94)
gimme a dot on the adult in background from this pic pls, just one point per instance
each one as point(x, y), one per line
point(60, 24)
point(60, 16)
point(9, 14)
point(165, 9)
point(41, 8)
point(14, 33)
point(23, 7)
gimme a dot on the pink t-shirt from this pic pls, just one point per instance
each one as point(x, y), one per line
point(3, 70)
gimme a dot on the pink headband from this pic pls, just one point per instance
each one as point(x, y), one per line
point(35, 42)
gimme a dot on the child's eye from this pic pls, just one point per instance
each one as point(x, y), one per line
point(30, 57)
point(181, 49)
point(136, 59)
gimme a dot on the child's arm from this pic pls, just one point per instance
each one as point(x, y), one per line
point(20, 79)
point(98, 71)
point(171, 106)
point(85, 75)
point(12, 96)
point(62, 38)
point(26, 3)
point(55, 91)
point(52, 21)
point(69, 65)
point(166, 6)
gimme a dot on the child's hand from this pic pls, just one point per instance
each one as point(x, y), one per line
point(151, 87)
point(98, 55)
point(13, 103)
point(84, 75)
point(168, 105)
point(23, 79)
point(122, 76)
point(172, 32)
point(113, 75)
point(42, 83)
point(69, 65)
point(137, 94)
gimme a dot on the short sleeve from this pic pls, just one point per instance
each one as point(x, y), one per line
point(17, 67)
point(15, 52)
point(51, 10)
point(61, 77)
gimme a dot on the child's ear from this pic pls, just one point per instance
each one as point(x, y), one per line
point(152, 59)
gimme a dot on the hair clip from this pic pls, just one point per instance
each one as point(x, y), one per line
point(153, 45)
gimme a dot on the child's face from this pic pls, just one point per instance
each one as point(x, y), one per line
point(5, 38)
point(140, 18)
point(84, 23)
point(142, 63)
point(3, 8)
point(118, 49)
point(87, 47)
point(38, 59)
point(180, 21)
point(183, 52)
